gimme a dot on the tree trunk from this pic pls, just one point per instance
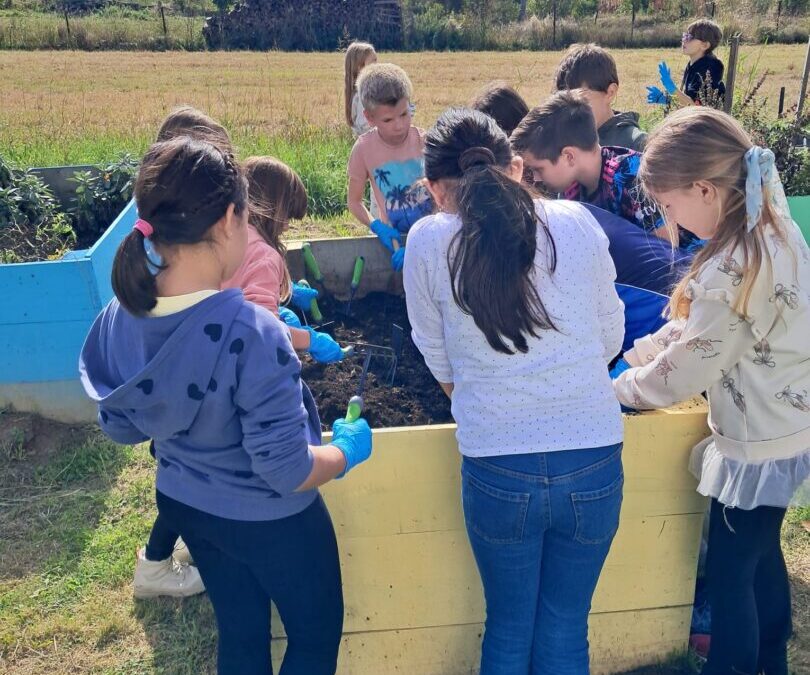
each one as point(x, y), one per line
point(522, 12)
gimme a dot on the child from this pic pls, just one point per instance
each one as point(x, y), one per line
point(740, 321)
point(513, 307)
point(358, 56)
point(703, 70)
point(390, 158)
point(213, 379)
point(276, 194)
point(503, 104)
point(188, 121)
point(164, 566)
point(559, 144)
point(592, 70)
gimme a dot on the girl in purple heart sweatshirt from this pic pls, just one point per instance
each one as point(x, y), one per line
point(214, 381)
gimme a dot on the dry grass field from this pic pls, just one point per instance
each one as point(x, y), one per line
point(70, 107)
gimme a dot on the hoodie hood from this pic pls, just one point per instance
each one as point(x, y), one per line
point(623, 131)
point(142, 366)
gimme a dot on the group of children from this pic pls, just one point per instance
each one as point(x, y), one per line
point(520, 305)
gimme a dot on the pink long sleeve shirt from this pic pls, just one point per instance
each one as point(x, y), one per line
point(260, 274)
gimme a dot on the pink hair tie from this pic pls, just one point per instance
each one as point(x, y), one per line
point(144, 228)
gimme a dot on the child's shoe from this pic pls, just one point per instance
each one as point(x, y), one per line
point(181, 553)
point(165, 577)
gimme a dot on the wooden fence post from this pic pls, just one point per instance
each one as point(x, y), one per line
point(554, 23)
point(67, 25)
point(163, 19)
point(732, 72)
point(803, 91)
point(632, 18)
point(781, 111)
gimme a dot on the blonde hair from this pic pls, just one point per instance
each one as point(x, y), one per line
point(670, 162)
point(383, 84)
point(356, 55)
point(275, 195)
point(186, 120)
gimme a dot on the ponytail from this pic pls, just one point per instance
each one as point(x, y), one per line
point(492, 257)
point(132, 280)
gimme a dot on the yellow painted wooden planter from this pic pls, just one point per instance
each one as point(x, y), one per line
point(413, 597)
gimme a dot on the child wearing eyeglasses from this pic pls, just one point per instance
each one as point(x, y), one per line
point(703, 72)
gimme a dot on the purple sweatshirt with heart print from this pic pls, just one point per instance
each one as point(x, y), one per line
point(218, 388)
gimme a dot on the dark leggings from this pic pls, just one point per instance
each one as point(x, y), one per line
point(244, 564)
point(162, 538)
point(749, 592)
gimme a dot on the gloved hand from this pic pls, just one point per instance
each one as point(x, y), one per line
point(353, 439)
point(666, 78)
point(656, 96)
point(398, 259)
point(385, 233)
point(289, 317)
point(322, 347)
point(619, 368)
point(302, 297)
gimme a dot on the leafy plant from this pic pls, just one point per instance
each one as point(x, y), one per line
point(31, 226)
point(100, 197)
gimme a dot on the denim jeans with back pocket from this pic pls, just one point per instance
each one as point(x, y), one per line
point(540, 526)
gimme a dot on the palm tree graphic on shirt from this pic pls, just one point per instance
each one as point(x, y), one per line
point(381, 175)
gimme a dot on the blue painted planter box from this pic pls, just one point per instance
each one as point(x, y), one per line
point(46, 309)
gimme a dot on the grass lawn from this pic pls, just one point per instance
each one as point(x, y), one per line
point(73, 510)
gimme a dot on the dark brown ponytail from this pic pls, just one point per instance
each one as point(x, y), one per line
point(492, 257)
point(183, 187)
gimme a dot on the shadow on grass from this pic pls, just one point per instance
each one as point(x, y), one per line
point(182, 634)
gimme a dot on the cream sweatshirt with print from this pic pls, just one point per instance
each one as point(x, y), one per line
point(756, 368)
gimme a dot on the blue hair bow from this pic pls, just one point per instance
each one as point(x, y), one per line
point(153, 259)
point(760, 164)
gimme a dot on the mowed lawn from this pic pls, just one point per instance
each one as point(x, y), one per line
point(73, 107)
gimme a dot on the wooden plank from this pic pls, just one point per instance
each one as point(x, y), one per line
point(430, 578)
point(47, 292)
point(103, 252)
point(42, 352)
point(619, 641)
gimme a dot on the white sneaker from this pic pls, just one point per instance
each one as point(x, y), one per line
point(165, 577)
point(181, 553)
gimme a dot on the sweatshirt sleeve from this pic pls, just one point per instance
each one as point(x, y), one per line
point(609, 307)
point(271, 407)
point(711, 342)
point(424, 314)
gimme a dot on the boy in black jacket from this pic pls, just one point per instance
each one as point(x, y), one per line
point(698, 43)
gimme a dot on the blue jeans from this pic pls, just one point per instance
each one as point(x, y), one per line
point(540, 526)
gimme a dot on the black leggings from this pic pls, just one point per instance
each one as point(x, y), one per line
point(162, 538)
point(292, 561)
point(749, 592)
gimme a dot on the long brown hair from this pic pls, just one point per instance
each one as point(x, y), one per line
point(492, 257)
point(356, 56)
point(669, 163)
point(183, 188)
point(186, 120)
point(276, 194)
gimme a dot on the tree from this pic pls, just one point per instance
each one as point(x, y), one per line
point(522, 12)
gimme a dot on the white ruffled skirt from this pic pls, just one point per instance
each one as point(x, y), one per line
point(747, 485)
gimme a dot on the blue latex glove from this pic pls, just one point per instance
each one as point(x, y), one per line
point(385, 233)
point(302, 297)
point(666, 78)
point(289, 317)
point(322, 347)
point(619, 368)
point(656, 96)
point(398, 259)
point(353, 439)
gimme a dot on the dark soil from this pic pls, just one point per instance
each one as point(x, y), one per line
point(414, 399)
